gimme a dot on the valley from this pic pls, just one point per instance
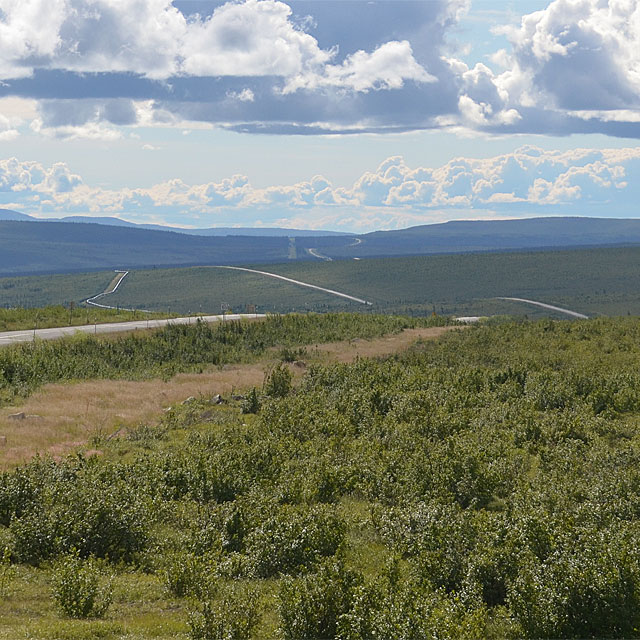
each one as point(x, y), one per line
point(591, 282)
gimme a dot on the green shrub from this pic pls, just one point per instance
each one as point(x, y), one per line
point(79, 587)
point(287, 354)
point(187, 575)
point(311, 607)
point(102, 517)
point(233, 616)
point(251, 402)
point(439, 536)
point(587, 588)
point(395, 606)
point(293, 539)
point(6, 573)
point(277, 383)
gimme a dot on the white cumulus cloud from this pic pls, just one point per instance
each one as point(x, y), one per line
point(528, 180)
point(140, 36)
point(253, 38)
point(578, 54)
point(387, 67)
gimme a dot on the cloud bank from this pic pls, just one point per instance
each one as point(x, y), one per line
point(94, 66)
point(528, 180)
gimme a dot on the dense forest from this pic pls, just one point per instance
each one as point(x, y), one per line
point(484, 485)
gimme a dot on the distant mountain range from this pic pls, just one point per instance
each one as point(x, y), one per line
point(29, 246)
point(488, 235)
point(8, 214)
point(60, 247)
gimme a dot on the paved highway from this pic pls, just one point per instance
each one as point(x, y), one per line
point(316, 254)
point(575, 314)
point(110, 290)
point(14, 337)
point(298, 282)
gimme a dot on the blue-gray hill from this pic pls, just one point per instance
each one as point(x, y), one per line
point(8, 214)
point(58, 247)
point(487, 235)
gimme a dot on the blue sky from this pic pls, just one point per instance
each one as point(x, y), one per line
point(339, 114)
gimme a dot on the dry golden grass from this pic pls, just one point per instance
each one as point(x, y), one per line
point(69, 415)
point(63, 417)
point(348, 351)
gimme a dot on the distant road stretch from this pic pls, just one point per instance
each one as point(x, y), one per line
point(111, 289)
point(575, 314)
point(316, 254)
point(302, 284)
point(13, 337)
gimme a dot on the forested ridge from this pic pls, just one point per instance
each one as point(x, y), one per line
point(485, 485)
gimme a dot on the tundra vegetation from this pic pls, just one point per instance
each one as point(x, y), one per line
point(181, 348)
point(62, 316)
point(484, 485)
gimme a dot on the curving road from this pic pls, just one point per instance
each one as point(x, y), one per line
point(316, 254)
point(568, 312)
point(112, 288)
point(302, 284)
point(13, 337)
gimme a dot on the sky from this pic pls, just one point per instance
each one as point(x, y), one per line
point(349, 115)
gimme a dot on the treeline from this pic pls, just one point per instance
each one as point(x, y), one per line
point(178, 348)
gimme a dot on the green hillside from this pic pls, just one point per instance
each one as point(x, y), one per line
point(591, 281)
point(42, 291)
point(206, 289)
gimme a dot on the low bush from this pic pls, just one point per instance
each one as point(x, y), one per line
point(80, 587)
point(311, 607)
point(232, 616)
point(277, 383)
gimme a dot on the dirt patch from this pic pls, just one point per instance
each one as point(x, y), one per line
point(348, 351)
point(61, 417)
